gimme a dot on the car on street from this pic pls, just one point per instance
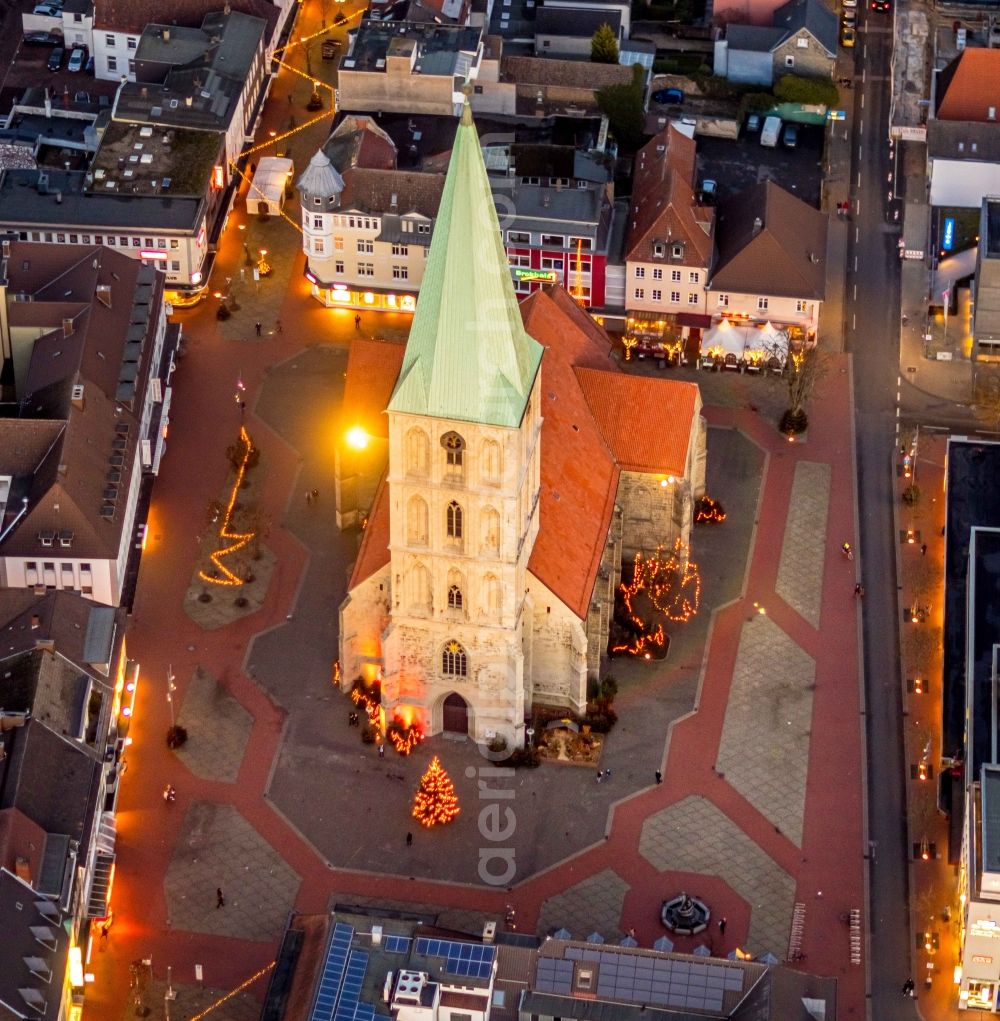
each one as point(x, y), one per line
point(90, 65)
point(790, 136)
point(771, 132)
point(41, 39)
point(47, 11)
point(56, 58)
point(668, 96)
point(850, 18)
point(882, 5)
point(847, 37)
point(709, 191)
point(753, 123)
point(850, 4)
point(76, 60)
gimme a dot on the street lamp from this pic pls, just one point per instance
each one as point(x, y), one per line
point(263, 268)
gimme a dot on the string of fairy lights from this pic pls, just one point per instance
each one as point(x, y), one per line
point(317, 84)
point(233, 992)
point(435, 803)
point(238, 540)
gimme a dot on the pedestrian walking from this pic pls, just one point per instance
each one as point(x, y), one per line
point(381, 751)
point(357, 322)
point(257, 328)
point(309, 496)
point(315, 494)
point(859, 590)
point(607, 774)
point(722, 926)
point(659, 777)
point(923, 549)
point(220, 901)
point(409, 840)
point(600, 775)
point(277, 326)
point(907, 989)
point(105, 930)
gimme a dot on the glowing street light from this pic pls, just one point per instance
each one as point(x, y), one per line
point(357, 438)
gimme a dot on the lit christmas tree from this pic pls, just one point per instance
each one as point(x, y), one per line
point(435, 801)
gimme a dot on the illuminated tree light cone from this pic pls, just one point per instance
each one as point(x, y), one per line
point(435, 802)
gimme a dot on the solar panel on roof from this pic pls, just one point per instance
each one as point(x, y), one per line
point(397, 944)
point(473, 960)
point(333, 973)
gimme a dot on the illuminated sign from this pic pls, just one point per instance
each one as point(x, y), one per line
point(218, 178)
point(196, 277)
point(948, 234)
point(546, 276)
point(980, 959)
point(147, 253)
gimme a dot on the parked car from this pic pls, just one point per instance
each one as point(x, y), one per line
point(709, 191)
point(56, 58)
point(770, 132)
point(847, 37)
point(753, 123)
point(882, 5)
point(850, 4)
point(42, 39)
point(668, 96)
point(82, 97)
point(47, 11)
point(90, 65)
point(790, 136)
point(850, 18)
point(76, 60)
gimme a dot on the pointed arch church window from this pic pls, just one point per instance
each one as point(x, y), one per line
point(454, 520)
point(454, 662)
point(416, 521)
point(641, 505)
point(490, 462)
point(491, 591)
point(454, 447)
point(417, 452)
point(420, 589)
point(491, 529)
point(454, 598)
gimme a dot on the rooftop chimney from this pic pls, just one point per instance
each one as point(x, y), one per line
point(166, 35)
point(757, 224)
point(67, 327)
point(104, 294)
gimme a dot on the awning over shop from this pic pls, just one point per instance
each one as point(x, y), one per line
point(701, 322)
point(100, 888)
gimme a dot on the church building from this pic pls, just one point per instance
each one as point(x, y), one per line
point(502, 465)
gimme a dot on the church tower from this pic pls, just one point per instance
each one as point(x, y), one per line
point(464, 429)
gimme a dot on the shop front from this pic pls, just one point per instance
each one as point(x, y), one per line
point(370, 299)
point(672, 338)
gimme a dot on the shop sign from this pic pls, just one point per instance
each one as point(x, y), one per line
point(546, 276)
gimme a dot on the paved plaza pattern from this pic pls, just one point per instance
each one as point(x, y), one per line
point(764, 751)
point(218, 730)
point(800, 570)
point(592, 905)
point(217, 849)
point(282, 807)
point(694, 836)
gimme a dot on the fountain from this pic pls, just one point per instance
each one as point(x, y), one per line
point(685, 915)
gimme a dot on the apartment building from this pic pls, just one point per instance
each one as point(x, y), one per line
point(88, 354)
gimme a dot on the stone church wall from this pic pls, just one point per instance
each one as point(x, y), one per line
point(364, 615)
point(558, 651)
point(652, 514)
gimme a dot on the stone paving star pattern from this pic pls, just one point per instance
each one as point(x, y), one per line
point(800, 570)
point(218, 730)
point(219, 849)
point(593, 905)
point(764, 751)
point(694, 836)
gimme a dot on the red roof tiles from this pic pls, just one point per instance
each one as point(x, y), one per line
point(970, 86)
point(372, 368)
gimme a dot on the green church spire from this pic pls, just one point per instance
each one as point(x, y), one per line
point(468, 357)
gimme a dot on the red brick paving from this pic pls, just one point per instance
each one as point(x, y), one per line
point(829, 861)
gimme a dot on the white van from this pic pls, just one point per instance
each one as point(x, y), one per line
point(771, 132)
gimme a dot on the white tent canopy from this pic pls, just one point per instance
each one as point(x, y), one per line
point(744, 341)
point(268, 184)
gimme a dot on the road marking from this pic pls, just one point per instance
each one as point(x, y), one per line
point(855, 292)
point(861, 149)
point(864, 71)
point(855, 257)
point(859, 172)
point(857, 206)
point(861, 127)
point(854, 320)
point(862, 100)
point(857, 234)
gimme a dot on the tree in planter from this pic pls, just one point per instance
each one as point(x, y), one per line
point(804, 369)
point(604, 46)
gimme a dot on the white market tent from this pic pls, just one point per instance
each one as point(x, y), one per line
point(755, 344)
point(267, 188)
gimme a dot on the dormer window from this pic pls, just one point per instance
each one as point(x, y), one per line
point(659, 250)
point(46, 538)
point(677, 251)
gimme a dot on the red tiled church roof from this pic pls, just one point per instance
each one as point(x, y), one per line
point(372, 368)
point(596, 420)
point(970, 86)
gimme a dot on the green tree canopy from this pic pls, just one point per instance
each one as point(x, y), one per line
point(623, 106)
point(604, 46)
point(808, 91)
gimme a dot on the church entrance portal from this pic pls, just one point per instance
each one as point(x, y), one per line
point(456, 714)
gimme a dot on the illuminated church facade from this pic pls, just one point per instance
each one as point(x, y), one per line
point(516, 466)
